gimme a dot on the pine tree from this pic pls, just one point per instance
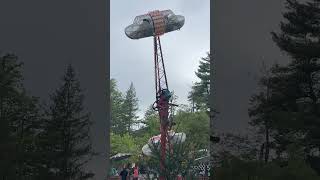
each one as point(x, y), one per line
point(296, 86)
point(19, 119)
point(10, 79)
point(199, 94)
point(291, 103)
point(118, 125)
point(130, 107)
point(25, 127)
point(66, 144)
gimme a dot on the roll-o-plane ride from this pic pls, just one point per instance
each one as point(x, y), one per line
point(154, 24)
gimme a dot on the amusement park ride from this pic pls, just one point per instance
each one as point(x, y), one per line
point(157, 23)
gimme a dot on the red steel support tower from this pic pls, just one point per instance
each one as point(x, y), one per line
point(162, 91)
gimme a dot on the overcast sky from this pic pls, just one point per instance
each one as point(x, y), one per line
point(132, 60)
point(242, 40)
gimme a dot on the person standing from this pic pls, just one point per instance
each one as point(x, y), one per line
point(135, 173)
point(124, 174)
point(206, 172)
point(179, 177)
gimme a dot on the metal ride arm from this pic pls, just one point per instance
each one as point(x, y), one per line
point(163, 95)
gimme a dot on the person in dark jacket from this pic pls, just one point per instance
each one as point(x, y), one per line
point(124, 174)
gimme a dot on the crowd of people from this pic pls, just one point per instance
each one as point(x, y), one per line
point(127, 172)
point(135, 172)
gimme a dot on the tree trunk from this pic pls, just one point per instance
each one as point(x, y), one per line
point(261, 152)
point(267, 145)
point(267, 129)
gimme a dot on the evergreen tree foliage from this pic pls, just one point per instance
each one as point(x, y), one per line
point(295, 87)
point(124, 144)
point(123, 109)
point(289, 106)
point(19, 120)
point(196, 127)
point(66, 144)
point(118, 125)
point(130, 107)
point(199, 94)
point(10, 78)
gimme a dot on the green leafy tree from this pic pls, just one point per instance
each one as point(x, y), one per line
point(195, 125)
point(151, 127)
point(125, 144)
point(66, 144)
point(151, 122)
